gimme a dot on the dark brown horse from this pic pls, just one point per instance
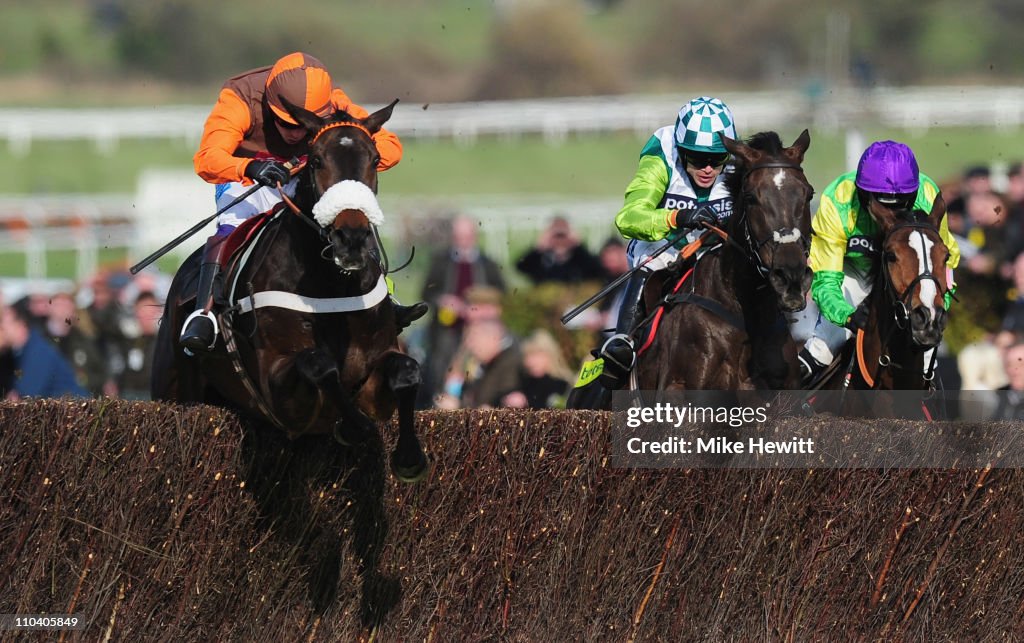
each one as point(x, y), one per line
point(308, 337)
point(725, 328)
point(906, 315)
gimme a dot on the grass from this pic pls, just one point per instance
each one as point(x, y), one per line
point(597, 167)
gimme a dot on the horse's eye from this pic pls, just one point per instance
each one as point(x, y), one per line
point(890, 256)
point(750, 199)
point(316, 162)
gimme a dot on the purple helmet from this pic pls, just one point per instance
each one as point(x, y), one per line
point(888, 167)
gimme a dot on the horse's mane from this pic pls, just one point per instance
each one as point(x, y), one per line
point(912, 216)
point(767, 142)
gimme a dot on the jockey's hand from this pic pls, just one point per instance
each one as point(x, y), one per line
point(695, 218)
point(268, 173)
point(858, 319)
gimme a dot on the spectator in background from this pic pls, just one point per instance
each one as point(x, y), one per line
point(1011, 400)
point(1015, 217)
point(983, 276)
point(1013, 320)
point(111, 321)
point(482, 304)
point(976, 180)
point(545, 378)
point(8, 363)
point(138, 349)
point(615, 263)
point(41, 370)
point(36, 308)
point(73, 333)
point(560, 256)
point(493, 364)
point(452, 272)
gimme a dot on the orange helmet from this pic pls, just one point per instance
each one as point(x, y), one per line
point(301, 80)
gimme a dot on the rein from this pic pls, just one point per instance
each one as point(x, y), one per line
point(900, 299)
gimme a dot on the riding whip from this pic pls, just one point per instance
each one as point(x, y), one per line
point(685, 252)
point(173, 243)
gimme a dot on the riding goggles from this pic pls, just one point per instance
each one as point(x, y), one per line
point(289, 126)
point(896, 201)
point(701, 160)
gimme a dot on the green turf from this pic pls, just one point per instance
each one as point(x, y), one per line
point(594, 166)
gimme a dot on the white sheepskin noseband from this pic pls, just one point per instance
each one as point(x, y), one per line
point(347, 195)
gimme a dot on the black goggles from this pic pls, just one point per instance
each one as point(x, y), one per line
point(701, 160)
point(896, 201)
point(289, 126)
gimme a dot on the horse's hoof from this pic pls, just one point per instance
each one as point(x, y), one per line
point(411, 473)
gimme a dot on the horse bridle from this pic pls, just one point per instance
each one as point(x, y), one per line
point(776, 237)
point(901, 300)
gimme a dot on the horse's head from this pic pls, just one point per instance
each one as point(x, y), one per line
point(342, 167)
point(914, 268)
point(772, 208)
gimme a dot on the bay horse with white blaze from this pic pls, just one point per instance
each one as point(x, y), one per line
point(309, 338)
point(906, 311)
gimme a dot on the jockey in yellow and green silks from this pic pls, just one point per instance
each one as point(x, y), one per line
point(844, 246)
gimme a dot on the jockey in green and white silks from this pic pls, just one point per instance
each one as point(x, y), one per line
point(844, 246)
point(679, 182)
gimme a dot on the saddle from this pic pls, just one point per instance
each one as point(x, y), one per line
point(228, 252)
point(672, 294)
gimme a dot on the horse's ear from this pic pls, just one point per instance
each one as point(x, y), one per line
point(799, 147)
point(302, 116)
point(885, 217)
point(740, 150)
point(938, 211)
point(376, 120)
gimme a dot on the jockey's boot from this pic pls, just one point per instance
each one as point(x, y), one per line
point(405, 315)
point(619, 351)
point(199, 333)
point(810, 367)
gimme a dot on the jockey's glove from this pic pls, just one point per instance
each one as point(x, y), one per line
point(267, 173)
point(858, 319)
point(693, 218)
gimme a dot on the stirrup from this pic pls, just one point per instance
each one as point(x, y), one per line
point(810, 367)
point(608, 357)
point(200, 313)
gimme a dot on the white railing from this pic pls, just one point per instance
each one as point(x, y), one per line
point(918, 108)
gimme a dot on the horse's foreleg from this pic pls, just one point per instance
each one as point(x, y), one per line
point(402, 374)
point(321, 371)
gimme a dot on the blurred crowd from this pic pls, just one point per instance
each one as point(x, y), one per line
point(97, 338)
point(471, 358)
point(988, 319)
point(88, 340)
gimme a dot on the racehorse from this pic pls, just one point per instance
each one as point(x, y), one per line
point(309, 335)
point(725, 328)
point(719, 323)
point(906, 312)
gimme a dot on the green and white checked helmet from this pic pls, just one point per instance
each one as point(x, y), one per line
point(699, 120)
